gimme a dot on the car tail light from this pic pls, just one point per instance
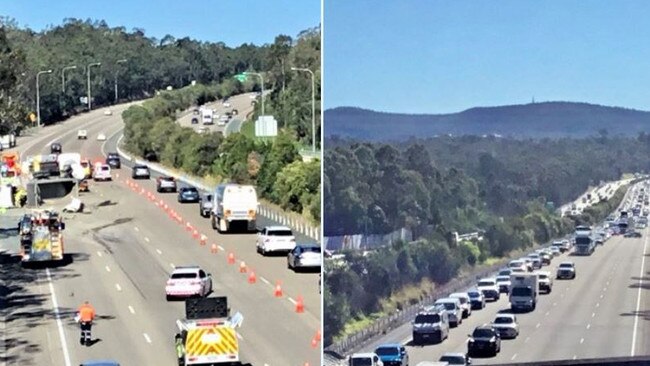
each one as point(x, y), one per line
point(226, 212)
point(251, 213)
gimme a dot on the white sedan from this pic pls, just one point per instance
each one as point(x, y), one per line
point(305, 256)
point(507, 325)
point(275, 239)
point(101, 137)
point(188, 281)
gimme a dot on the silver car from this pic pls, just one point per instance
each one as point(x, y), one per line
point(507, 325)
point(305, 256)
point(452, 306)
point(465, 304)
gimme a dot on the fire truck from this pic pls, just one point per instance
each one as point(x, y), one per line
point(41, 239)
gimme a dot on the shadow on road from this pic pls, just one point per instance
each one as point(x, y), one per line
point(643, 314)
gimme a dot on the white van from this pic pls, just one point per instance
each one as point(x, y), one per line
point(234, 203)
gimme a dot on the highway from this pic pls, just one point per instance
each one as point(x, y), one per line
point(123, 250)
point(604, 312)
point(242, 103)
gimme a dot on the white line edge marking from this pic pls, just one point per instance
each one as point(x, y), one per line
point(221, 248)
point(513, 356)
point(64, 343)
point(239, 336)
point(292, 300)
point(146, 337)
point(131, 309)
point(265, 280)
point(574, 357)
point(118, 287)
point(638, 298)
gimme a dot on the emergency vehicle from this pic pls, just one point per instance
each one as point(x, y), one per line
point(208, 334)
point(40, 237)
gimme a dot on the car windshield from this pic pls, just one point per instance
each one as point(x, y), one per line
point(542, 276)
point(503, 320)
point(427, 319)
point(453, 360)
point(105, 168)
point(486, 283)
point(505, 273)
point(521, 291)
point(503, 278)
point(310, 249)
point(183, 275)
point(387, 351)
point(279, 233)
point(190, 190)
point(566, 265)
point(449, 305)
point(473, 294)
point(167, 179)
point(482, 333)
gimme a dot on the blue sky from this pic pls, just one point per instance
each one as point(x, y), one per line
point(430, 56)
point(230, 21)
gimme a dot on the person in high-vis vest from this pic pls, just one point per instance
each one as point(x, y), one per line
point(86, 314)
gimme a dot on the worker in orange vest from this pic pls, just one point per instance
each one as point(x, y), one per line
point(86, 315)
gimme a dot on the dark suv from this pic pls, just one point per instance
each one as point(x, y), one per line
point(113, 160)
point(140, 172)
point(188, 194)
point(484, 339)
point(165, 184)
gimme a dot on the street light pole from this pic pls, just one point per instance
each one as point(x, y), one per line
point(88, 75)
point(313, 106)
point(261, 78)
point(116, 94)
point(63, 76)
point(38, 96)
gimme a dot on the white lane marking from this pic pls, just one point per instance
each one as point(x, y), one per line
point(537, 326)
point(593, 315)
point(59, 323)
point(574, 357)
point(604, 289)
point(265, 280)
point(146, 239)
point(239, 336)
point(527, 339)
point(547, 313)
point(638, 297)
point(220, 247)
point(292, 300)
point(597, 304)
point(136, 228)
point(118, 287)
point(601, 296)
point(108, 269)
point(588, 326)
point(608, 282)
point(554, 304)
point(131, 309)
point(99, 253)
point(513, 357)
point(172, 265)
point(159, 251)
point(146, 337)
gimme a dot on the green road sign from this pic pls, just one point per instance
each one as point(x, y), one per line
point(241, 77)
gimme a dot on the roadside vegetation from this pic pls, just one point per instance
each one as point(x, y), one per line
point(502, 187)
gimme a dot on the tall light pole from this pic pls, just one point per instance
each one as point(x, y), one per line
point(88, 74)
point(313, 106)
point(38, 96)
point(63, 76)
point(261, 78)
point(118, 62)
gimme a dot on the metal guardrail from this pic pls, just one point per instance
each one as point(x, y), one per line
point(297, 224)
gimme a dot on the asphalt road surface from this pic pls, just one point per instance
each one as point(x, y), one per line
point(242, 103)
point(122, 252)
point(604, 312)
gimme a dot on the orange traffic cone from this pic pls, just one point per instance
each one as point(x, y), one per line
point(300, 306)
point(166, 207)
point(231, 258)
point(213, 248)
point(161, 202)
point(242, 267)
point(188, 226)
point(195, 234)
point(252, 278)
point(278, 290)
point(314, 343)
point(204, 239)
point(318, 335)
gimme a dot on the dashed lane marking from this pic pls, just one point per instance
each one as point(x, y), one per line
point(548, 312)
point(537, 326)
point(513, 357)
point(582, 340)
point(220, 247)
point(146, 239)
point(99, 253)
point(146, 337)
point(597, 304)
point(292, 300)
point(159, 251)
point(593, 315)
point(588, 326)
point(136, 228)
point(118, 287)
point(265, 280)
point(131, 309)
point(108, 269)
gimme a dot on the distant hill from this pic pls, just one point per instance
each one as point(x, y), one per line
point(537, 120)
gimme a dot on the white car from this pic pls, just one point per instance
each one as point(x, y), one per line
point(454, 310)
point(275, 239)
point(102, 172)
point(305, 256)
point(545, 281)
point(188, 281)
point(518, 264)
point(489, 288)
point(108, 112)
point(504, 283)
point(507, 325)
point(101, 137)
point(465, 303)
point(82, 135)
point(227, 104)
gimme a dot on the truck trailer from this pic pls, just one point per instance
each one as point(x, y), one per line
point(524, 290)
